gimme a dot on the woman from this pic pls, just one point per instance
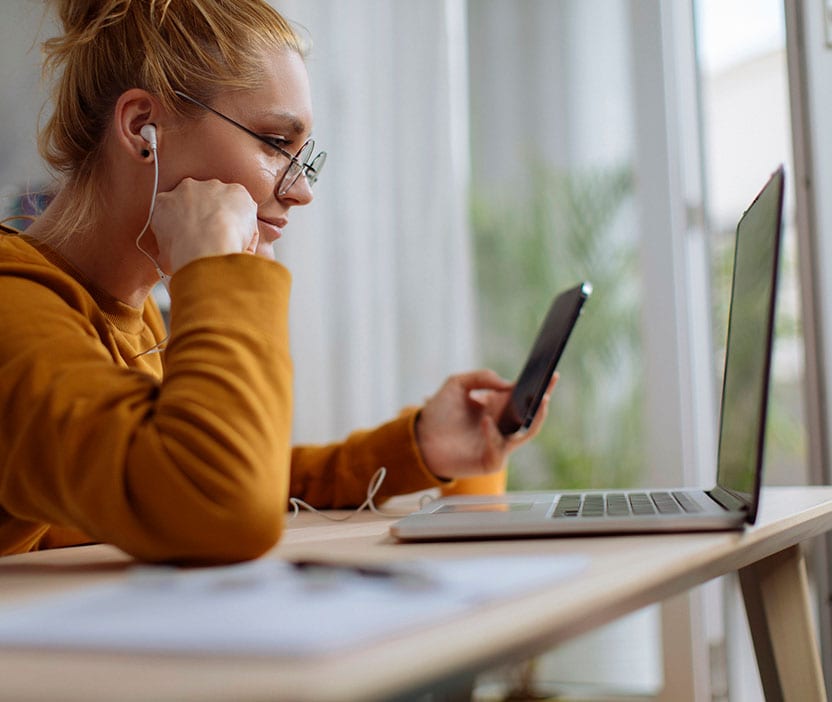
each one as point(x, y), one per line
point(184, 455)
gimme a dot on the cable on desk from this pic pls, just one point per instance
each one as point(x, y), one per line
point(372, 490)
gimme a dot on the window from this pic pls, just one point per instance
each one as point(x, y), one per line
point(747, 133)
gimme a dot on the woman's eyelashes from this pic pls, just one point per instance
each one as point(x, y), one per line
point(278, 142)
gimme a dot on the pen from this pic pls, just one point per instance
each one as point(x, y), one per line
point(404, 576)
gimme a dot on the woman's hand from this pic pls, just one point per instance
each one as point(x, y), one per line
point(457, 428)
point(200, 218)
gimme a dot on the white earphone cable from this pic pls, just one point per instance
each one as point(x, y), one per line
point(163, 277)
point(372, 489)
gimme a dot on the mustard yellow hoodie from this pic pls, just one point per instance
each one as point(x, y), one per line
point(180, 457)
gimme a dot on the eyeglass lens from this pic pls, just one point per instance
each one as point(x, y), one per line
point(296, 167)
point(314, 169)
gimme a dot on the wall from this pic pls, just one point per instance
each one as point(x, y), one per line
point(23, 94)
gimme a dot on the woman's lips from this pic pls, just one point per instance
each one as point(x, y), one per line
point(271, 229)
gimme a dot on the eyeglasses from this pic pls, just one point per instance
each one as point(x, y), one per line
point(299, 164)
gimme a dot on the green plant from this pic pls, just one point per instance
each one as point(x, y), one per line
point(527, 249)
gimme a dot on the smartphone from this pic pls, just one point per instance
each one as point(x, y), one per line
point(543, 359)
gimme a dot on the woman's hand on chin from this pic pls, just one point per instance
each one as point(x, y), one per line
point(201, 218)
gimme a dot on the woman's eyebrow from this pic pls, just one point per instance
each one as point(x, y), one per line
point(292, 121)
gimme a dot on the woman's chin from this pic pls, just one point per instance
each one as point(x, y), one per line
point(266, 250)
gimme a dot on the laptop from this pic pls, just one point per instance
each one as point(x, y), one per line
point(731, 503)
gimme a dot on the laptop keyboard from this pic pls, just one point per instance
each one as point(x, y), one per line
point(630, 504)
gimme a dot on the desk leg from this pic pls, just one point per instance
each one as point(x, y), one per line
point(776, 597)
point(459, 689)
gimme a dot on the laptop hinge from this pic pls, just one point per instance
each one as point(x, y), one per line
point(727, 500)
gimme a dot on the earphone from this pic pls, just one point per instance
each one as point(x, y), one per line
point(148, 133)
point(372, 489)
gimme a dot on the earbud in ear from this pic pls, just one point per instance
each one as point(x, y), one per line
point(148, 132)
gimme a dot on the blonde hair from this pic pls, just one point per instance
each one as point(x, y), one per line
point(109, 46)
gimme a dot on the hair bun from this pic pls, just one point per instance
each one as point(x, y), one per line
point(83, 19)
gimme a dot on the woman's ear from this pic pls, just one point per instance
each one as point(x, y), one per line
point(135, 120)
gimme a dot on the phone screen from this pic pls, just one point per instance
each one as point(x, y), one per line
point(543, 359)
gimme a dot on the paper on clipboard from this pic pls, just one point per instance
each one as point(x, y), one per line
point(270, 607)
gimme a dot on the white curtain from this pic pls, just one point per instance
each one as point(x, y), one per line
point(382, 298)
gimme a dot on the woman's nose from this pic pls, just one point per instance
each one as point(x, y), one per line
point(300, 193)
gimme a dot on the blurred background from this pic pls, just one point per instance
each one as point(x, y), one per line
point(484, 155)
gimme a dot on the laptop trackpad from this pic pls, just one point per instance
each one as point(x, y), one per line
point(485, 507)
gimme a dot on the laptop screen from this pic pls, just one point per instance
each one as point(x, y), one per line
point(748, 349)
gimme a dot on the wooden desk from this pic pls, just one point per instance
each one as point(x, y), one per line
point(768, 558)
